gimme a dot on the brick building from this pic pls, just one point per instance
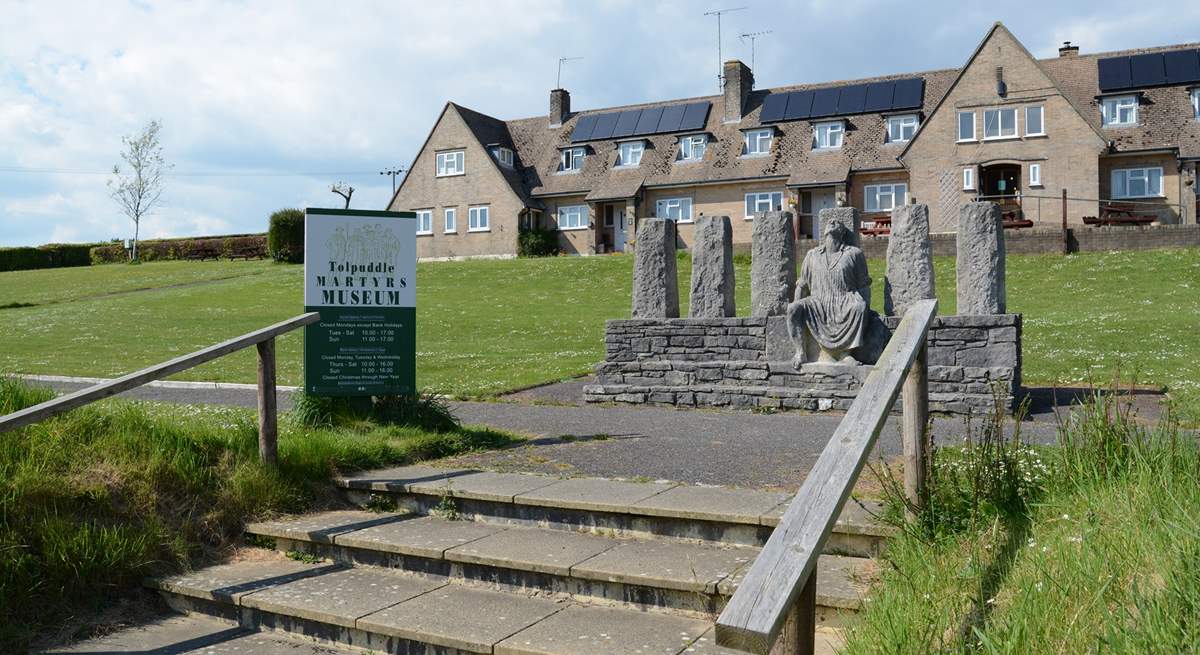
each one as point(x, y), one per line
point(1117, 128)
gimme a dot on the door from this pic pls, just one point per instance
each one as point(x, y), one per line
point(821, 199)
point(619, 230)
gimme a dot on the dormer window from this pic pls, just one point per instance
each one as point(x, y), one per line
point(757, 142)
point(692, 146)
point(503, 155)
point(629, 153)
point(828, 135)
point(1119, 111)
point(901, 128)
point(572, 160)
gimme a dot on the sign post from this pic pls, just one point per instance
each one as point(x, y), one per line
point(360, 273)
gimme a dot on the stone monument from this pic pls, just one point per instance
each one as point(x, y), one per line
point(980, 259)
point(909, 276)
point(772, 263)
point(655, 285)
point(832, 299)
point(712, 268)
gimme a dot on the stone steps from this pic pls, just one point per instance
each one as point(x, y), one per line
point(692, 578)
point(609, 507)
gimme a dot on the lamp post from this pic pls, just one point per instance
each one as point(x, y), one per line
point(393, 172)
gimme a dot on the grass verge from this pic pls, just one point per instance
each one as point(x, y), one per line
point(1092, 546)
point(94, 500)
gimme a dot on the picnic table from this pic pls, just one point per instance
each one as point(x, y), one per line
point(1120, 213)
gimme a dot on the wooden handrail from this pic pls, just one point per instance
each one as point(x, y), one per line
point(264, 339)
point(784, 573)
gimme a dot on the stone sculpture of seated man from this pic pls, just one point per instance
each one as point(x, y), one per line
point(832, 298)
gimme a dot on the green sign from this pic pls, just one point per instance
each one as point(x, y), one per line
point(360, 273)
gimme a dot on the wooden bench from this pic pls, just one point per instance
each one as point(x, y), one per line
point(1121, 213)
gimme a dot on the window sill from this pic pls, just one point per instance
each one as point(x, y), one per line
point(424, 234)
point(896, 143)
point(967, 141)
point(479, 229)
point(452, 174)
point(684, 221)
point(1118, 125)
point(1036, 186)
point(1001, 138)
point(754, 155)
point(627, 167)
point(450, 232)
point(570, 172)
point(1043, 135)
point(1140, 198)
point(574, 229)
point(827, 149)
point(685, 162)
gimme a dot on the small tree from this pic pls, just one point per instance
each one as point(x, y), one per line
point(139, 190)
point(344, 190)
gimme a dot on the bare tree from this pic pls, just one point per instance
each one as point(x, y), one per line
point(139, 190)
point(344, 190)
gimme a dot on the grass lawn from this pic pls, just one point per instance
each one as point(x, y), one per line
point(488, 326)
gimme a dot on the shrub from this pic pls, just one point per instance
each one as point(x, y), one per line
point(51, 255)
point(226, 247)
point(285, 236)
point(537, 243)
point(425, 410)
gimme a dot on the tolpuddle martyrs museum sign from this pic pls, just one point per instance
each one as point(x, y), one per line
point(360, 273)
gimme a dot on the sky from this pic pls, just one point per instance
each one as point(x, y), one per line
point(265, 104)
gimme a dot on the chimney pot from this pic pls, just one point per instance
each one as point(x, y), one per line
point(560, 107)
point(1068, 50)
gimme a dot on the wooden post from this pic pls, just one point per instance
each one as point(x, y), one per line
point(915, 395)
point(268, 428)
point(1066, 246)
point(799, 634)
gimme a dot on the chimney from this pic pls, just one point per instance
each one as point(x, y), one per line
point(739, 80)
point(560, 107)
point(1068, 50)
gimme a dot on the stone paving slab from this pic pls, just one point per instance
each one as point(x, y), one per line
point(854, 519)
point(457, 617)
point(841, 581)
point(321, 527)
point(827, 642)
point(341, 597)
point(580, 630)
point(593, 494)
point(712, 504)
point(400, 478)
point(544, 551)
point(195, 634)
point(484, 485)
point(427, 536)
point(665, 564)
point(230, 582)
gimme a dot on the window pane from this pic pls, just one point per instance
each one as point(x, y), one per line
point(1033, 120)
point(966, 125)
point(1008, 122)
point(1154, 187)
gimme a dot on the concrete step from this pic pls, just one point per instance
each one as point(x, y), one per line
point(693, 578)
point(197, 634)
point(389, 611)
point(611, 507)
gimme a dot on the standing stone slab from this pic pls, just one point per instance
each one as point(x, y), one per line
point(773, 264)
point(712, 268)
point(980, 259)
point(909, 275)
point(848, 216)
point(655, 286)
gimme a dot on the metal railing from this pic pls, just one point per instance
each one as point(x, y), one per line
point(777, 599)
point(263, 340)
point(1056, 209)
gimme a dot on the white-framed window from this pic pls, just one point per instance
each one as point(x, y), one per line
point(966, 126)
point(968, 179)
point(450, 220)
point(478, 219)
point(691, 147)
point(629, 153)
point(1137, 182)
point(676, 209)
point(1035, 175)
point(424, 221)
point(1196, 103)
point(901, 128)
point(451, 163)
point(1119, 110)
point(884, 197)
point(504, 156)
point(573, 217)
point(757, 142)
point(763, 201)
point(1035, 124)
point(827, 135)
point(1000, 123)
point(572, 159)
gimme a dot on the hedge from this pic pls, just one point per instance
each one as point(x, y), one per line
point(243, 246)
point(51, 255)
point(285, 236)
point(537, 243)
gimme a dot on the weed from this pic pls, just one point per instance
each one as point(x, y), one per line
point(307, 558)
point(261, 541)
point(381, 503)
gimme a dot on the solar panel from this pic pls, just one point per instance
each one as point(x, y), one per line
point(627, 122)
point(694, 116)
point(1148, 69)
point(1182, 66)
point(648, 123)
point(853, 99)
point(1114, 73)
point(799, 105)
point(605, 124)
point(909, 93)
point(825, 102)
point(671, 118)
point(583, 128)
point(773, 107)
point(879, 96)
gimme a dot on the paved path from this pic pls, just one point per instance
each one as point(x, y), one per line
point(697, 446)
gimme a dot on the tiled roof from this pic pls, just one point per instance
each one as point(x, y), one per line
point(490, 131)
